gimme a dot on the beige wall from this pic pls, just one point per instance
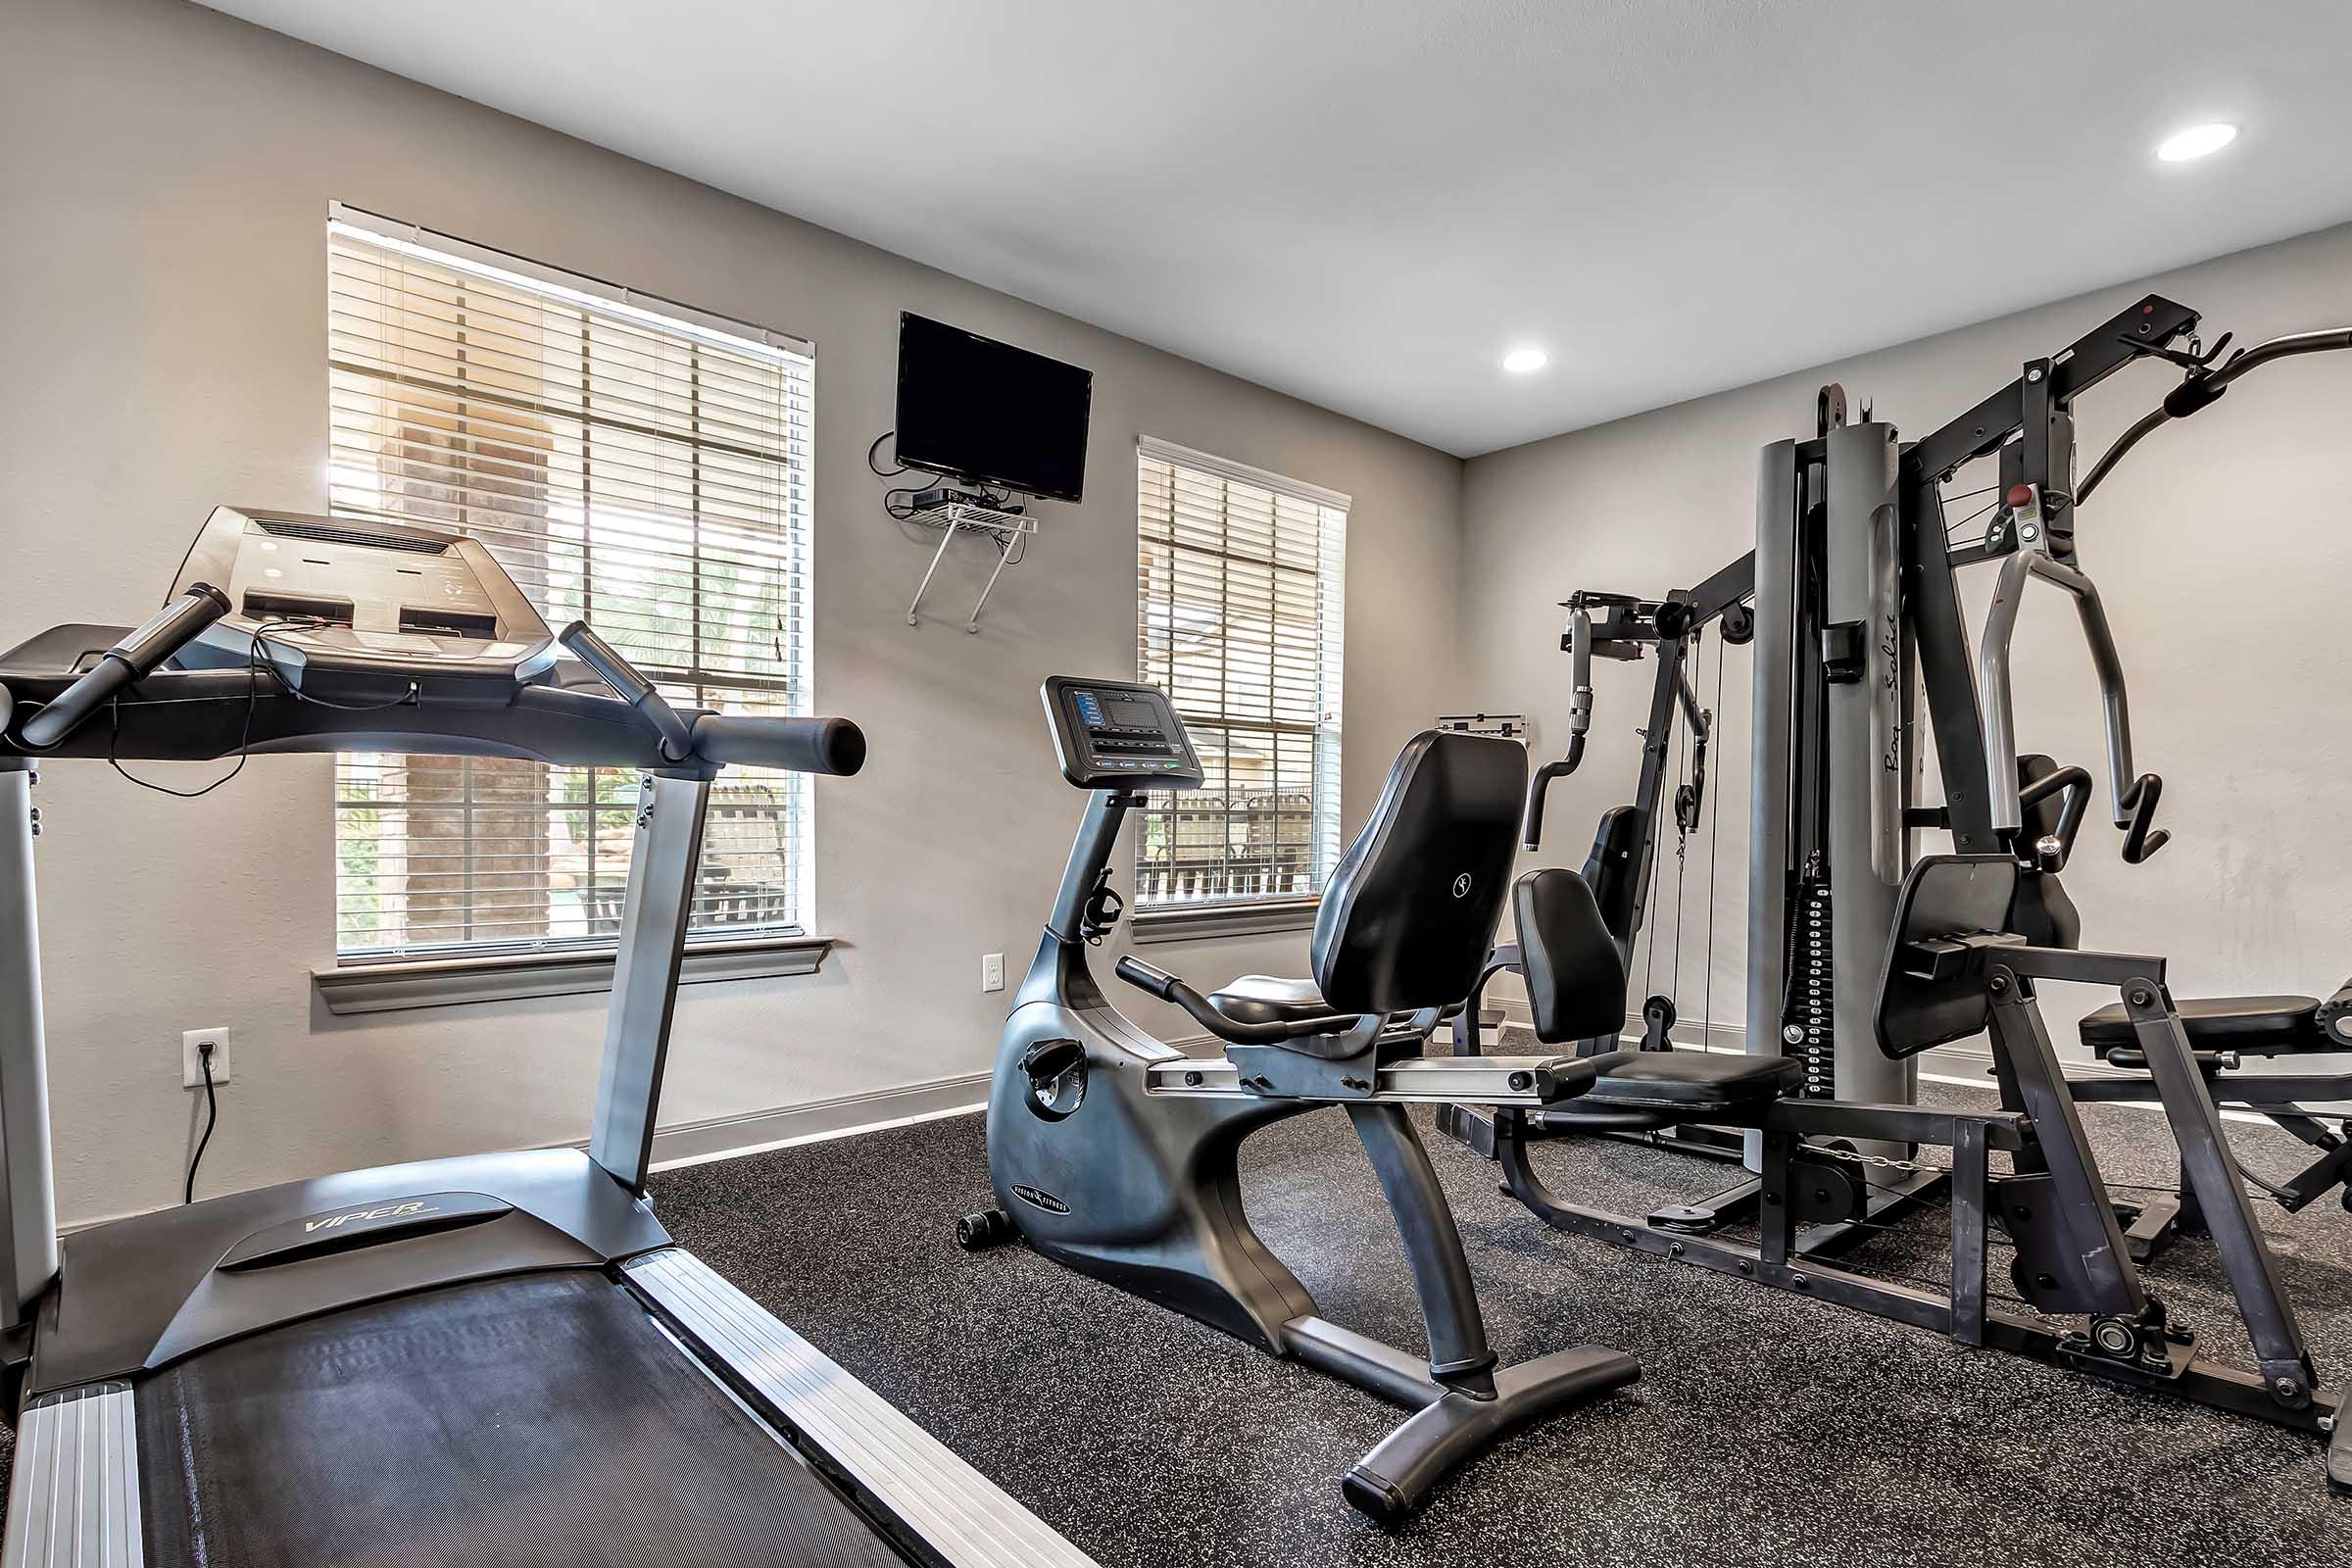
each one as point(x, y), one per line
point(2221, 547)
point(164, 188)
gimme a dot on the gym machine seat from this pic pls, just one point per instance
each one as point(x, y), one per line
point(1687, 1085)
point(1564, 945)
point(2250, 1026)
point(2222, 1032)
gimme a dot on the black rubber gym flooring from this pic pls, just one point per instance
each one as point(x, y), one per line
point(1767, 1427)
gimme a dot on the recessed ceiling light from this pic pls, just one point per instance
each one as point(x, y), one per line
point(1525, 361)
point(2195, 142)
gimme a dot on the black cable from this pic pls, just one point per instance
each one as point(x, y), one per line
point(269, 667)
point(1954, 527)
point(114, 738)
point(890, 502)
point(258, 662)
point(897, 509)
point(212, 1117)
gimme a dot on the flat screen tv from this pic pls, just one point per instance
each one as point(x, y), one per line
point(986, 412)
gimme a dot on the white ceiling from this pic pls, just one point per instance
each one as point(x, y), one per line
point(1366, 202)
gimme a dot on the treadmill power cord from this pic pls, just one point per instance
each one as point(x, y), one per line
point(211, 1117)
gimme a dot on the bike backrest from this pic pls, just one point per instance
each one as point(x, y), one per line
point(1409, 914)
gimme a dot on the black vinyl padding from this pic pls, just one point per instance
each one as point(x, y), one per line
point(1409, 916)
point(1691, 1080)
point(541, 1419)
point(1945, 895)
point(1269, 999)
point(2043, 913)
point(1609, 868)
point(1574, 975)
point(2259, 1026)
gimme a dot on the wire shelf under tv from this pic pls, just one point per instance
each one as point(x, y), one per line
point(1006, 529)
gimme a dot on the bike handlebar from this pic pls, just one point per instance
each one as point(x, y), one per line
point(1155, 981)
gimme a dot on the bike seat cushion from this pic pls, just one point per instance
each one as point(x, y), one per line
point(2258, 1026)
point(1269, 999)
point(1692, 1082)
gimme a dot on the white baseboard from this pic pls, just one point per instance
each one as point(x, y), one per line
point(726, 1136)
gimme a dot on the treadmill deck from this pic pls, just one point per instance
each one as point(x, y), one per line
point(545, 1418)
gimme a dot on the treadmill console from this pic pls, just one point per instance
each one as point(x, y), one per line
point(357, 596)
point(1118, 735)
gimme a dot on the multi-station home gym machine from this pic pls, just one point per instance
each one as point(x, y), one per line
point(1856, 943)
point(1623, 867)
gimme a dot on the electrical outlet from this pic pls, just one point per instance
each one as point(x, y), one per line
point(191, 1056)
point(992, 971)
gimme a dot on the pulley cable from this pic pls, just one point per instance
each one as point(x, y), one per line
point(1682, 849)
point(1706, 1017)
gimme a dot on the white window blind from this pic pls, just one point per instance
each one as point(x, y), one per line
point(1241, 580)
point(640, 465)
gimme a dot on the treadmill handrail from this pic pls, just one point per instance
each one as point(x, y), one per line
point(195, 716)
point(163, 634)
point(649, 705)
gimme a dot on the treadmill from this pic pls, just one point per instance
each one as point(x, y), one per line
point(490, 1360)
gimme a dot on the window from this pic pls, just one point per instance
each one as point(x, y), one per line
point(636, 464)
point(1239, 589)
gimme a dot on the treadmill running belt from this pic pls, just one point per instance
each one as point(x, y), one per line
point(538, 1419)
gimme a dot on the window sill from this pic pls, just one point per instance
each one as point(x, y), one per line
point(355, 988)
point(1261, 917)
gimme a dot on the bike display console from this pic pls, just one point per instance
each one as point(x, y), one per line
point(1113, 735)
